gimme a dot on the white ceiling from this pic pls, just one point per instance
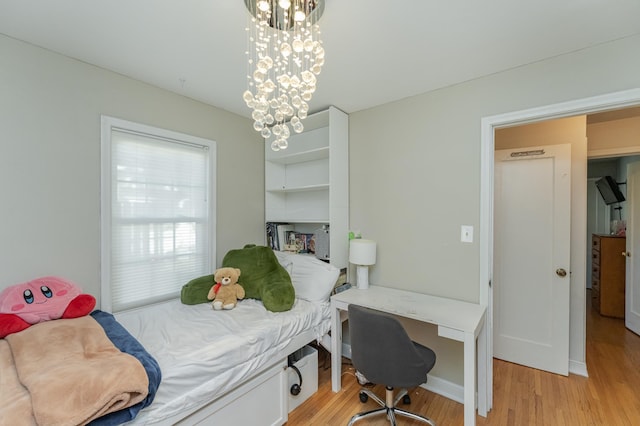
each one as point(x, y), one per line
point(376, 51)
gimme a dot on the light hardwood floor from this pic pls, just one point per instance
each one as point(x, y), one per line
point(522, 396)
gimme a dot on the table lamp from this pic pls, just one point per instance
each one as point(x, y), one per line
point(362, 253)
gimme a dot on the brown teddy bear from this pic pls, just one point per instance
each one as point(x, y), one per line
point(226, 291)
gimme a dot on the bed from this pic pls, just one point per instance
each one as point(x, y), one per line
point(222, 367)
point(201, 366)
point(206, 356)
point(167, 363)
point(193, 365)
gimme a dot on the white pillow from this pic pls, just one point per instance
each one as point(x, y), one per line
point(312, 278)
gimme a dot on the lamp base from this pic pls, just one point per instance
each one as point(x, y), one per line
point(362, 274)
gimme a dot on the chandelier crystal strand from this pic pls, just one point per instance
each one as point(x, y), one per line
point(285, 55)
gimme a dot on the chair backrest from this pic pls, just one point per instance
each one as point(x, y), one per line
point(382, 350)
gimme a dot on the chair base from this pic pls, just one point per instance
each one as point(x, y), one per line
point(389, 408)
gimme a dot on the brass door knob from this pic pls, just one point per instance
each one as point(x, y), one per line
point(561, 272)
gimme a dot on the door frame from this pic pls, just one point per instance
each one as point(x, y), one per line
point(489, 124)
point(631, 266)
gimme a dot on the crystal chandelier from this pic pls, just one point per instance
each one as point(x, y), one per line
point(285, 55)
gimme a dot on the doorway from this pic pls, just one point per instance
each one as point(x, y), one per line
point(608, 102)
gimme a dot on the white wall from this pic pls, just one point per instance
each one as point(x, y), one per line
point(415, 172)
point(50, 108)
point(414, 178)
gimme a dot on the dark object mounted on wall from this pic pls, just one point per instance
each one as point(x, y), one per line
point(610, 190)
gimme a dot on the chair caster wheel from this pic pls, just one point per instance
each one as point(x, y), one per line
point(406, 400)
point(363, 397)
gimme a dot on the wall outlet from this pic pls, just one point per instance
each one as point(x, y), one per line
point(466, 233)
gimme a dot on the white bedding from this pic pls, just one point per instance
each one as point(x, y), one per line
point(204, 353)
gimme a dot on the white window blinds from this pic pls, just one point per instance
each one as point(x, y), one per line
point(161, 228)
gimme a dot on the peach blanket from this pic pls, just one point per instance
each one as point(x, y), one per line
point(66, 372)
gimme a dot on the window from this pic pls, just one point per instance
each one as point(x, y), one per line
point(158, 212)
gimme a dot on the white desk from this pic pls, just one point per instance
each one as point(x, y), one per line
point(461, 321)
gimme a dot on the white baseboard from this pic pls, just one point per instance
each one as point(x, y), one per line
point(326, 343)
point(578, 367)
point(456, 392)
point(445, 388)
point(346, 350)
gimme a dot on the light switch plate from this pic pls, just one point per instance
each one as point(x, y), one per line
point(466, 233)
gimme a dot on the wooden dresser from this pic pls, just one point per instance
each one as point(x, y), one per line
point(608, 274)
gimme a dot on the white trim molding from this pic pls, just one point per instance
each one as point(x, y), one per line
point(578, 367)
point(613, 152)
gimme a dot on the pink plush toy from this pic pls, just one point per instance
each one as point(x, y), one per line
point(42, 299)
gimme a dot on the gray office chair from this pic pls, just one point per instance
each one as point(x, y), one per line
point(382, 351)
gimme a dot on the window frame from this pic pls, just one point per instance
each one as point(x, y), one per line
point(108, 124)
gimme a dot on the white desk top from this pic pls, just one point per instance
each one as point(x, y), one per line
point(454, 314)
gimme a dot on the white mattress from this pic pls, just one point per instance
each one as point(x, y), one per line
point(205, 353)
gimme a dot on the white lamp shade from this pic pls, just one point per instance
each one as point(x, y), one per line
point(362, 252)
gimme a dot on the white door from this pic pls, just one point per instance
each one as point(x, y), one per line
point(632, 295)
point(532, 214)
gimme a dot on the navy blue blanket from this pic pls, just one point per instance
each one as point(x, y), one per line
point(124, 341)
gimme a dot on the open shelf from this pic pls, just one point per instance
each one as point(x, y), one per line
point(302, 157)
point(305, 188)
point(307, 184)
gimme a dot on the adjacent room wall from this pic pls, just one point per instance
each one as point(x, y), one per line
point(552, 132)
point(415, 172)
point(50, 108)
point(621, 134)
point(612, 138)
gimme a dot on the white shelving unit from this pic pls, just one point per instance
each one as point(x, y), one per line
point(307, 184)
